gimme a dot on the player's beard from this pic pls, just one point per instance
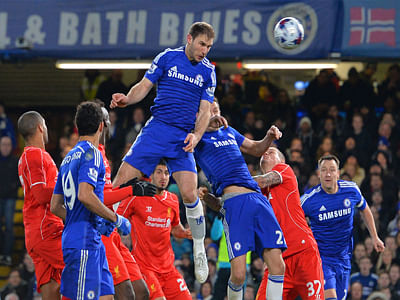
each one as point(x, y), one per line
point(161, 189)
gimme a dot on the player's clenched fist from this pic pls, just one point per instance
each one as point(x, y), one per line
point(119, 100)
point(274, 132)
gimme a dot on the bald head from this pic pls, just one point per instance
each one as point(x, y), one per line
point(28, 123)
point(271, 158)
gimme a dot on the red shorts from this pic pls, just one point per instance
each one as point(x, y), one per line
point(121, 263)
point(170, 285)
point(303, 277)
point(47, 257)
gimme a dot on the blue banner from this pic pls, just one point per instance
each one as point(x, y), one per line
point(371, 28)
point(122, 29)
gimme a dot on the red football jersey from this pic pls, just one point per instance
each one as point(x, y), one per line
point(285, 200)
point(151, 219)
point(36, 167)
point(108, 184)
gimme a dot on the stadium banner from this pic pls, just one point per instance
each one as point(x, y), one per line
point(140, 29)
point(371, 28)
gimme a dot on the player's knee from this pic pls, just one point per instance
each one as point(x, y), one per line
point(238, 278)
point(188, 195)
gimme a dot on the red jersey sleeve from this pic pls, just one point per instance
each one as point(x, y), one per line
point(35, 168)
point(127, 207)
point(284, 171)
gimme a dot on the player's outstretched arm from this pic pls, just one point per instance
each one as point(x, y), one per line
point(181, 232)
point(135, 95)
point(269, 179)
point(202, 120)
point(369, 221)
point(57, 206)
point(258, 148)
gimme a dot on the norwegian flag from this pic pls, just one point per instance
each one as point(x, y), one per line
point(372, 26)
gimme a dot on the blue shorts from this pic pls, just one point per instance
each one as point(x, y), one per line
point(336, 275)
point(86, 274)
point(159, 140)
point(250, 225)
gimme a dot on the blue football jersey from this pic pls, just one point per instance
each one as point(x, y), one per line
point(84, 163)
point(218, 155)
point(331, 217)
point(180, 87)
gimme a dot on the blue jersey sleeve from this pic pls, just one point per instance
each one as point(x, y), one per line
point(58, 189)
point(303, 205)
point(157, 67)
point(208, 93)
point(361, 204)
point(90, 167)
point(238, 137)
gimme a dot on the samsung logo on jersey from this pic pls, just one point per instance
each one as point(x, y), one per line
point(334, 214)
point(69, 158)
point(173, 73)
point(224, 143)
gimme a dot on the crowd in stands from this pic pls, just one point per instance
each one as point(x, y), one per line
point(358, 120)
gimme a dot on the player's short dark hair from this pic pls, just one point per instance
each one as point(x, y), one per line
point(199, 28)
point(88, 118)
point(328, 157)
point(28, 122)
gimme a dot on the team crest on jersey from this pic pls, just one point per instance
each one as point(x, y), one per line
point(91, 295)
point(347, 202)
point(148, 208)
point(89, 155)
point(237, 246)
point(199, 78)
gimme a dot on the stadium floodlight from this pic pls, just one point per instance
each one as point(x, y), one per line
point(101, 65)
point(288, 65)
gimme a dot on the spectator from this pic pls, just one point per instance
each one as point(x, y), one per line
point(339, 121)
point(368, 280)
point(394, 275)
point(352, 167)
point(8, 197)
point(325, 148)
point(27, 273)
point(205, 291)
point(378, 296)
point(356, 291)
point(328, 129)
point(6, 126)
point(181, 246)
point(383, 280)
point(249, 294)
point(391, 85)
point(90, 84)
point(358, 253)
point(308, 138)
point(356, 93)
point(368, 73)
point(384, 260)
point(116, 143)
point(136, 125)
point(15, 285)
point(319, 95)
